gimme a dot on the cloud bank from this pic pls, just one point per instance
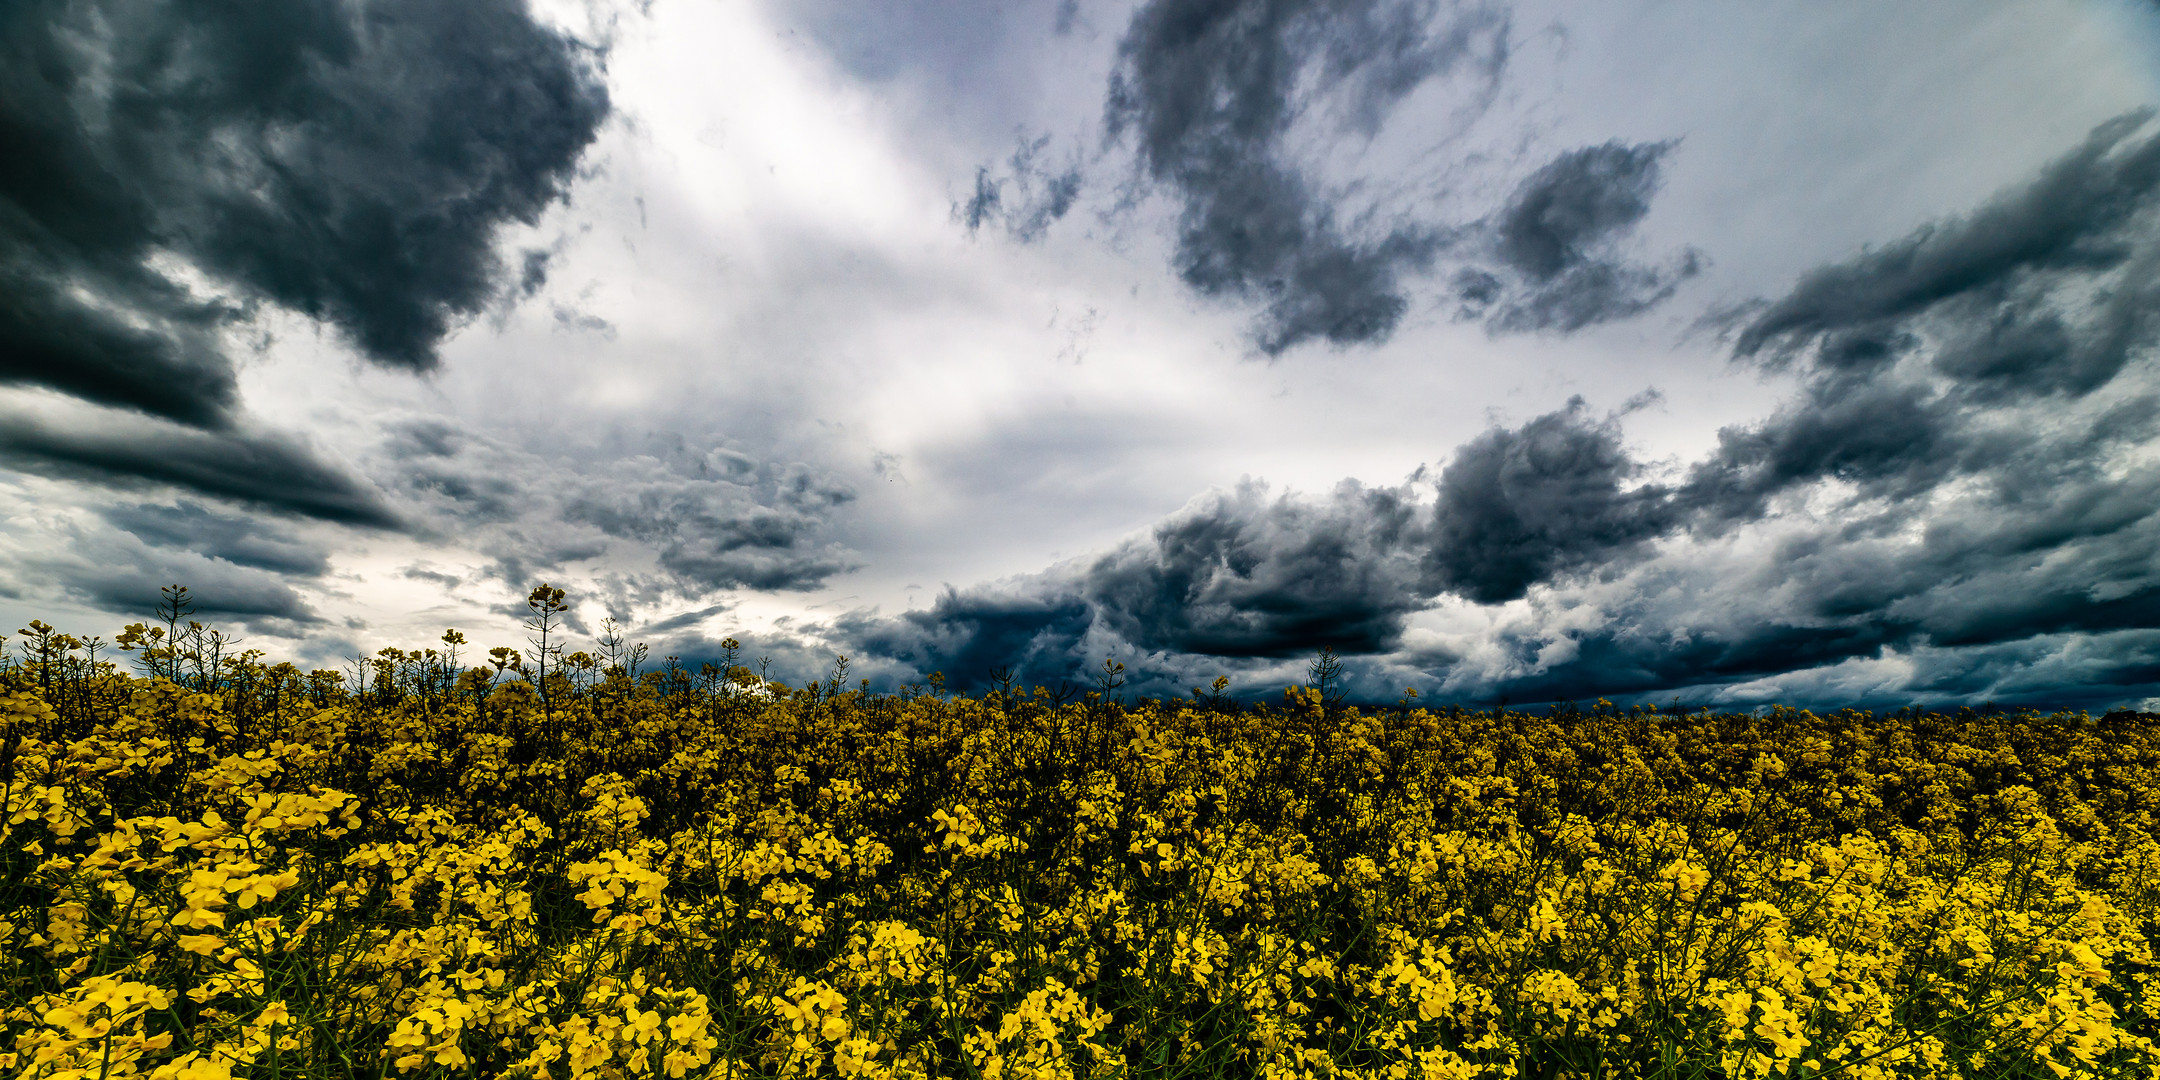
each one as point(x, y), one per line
point(1948, 505)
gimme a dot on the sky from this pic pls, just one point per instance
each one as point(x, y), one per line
point(1661, 351)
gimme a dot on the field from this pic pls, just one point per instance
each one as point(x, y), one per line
point(566, 865)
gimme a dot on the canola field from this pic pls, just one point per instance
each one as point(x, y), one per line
point(563, 866)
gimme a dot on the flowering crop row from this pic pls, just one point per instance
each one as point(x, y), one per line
point(672, 875)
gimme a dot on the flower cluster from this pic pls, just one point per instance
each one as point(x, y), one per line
point(489, 873)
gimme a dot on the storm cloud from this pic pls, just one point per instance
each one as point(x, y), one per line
point(1032, 635)
point(2046, 289)
point(121, 572)
point(242, 541)
point(1558, 260)
point(1208, 92)
point(1955, 600)
point(172, 165)
point(262, 469)
point(1518, 507)
point(1243, 574)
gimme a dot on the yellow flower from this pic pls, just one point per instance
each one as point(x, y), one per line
point(642, 1026)
point(202, 944)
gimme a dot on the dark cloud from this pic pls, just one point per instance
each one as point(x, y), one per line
point(2047, 289)
point(1518, 507)
point(1243, 574)
point(1033, 636)
point(118, 572)
point(1890, 437)
point(1838, 610)
point(239, 540)
point(125, 337)
point(267, 470)
point(1208, 90)
point(1555, 246)
point(570, 320)
point(1041, 197)
point(1575, 203)
point(1967, 609)
point(217, 592)
point(350, 161)
point(2099, 672)
point(432, 577)
point(1623, 657)
point(714, 519)
point(681, 621)
point(985, 205)
point(1868, 666)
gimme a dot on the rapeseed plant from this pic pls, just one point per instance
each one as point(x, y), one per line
point(558, 866)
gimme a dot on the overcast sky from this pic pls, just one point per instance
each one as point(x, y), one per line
point(1728, 353)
